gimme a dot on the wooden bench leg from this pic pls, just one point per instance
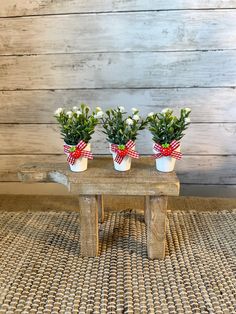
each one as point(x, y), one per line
point(156, 216)
point(100, 208)
point(88, 225)
point(146, 205)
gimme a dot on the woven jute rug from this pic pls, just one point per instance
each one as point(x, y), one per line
point(41, 270)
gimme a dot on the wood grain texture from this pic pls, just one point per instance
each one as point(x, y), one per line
point(101, 177)
point(208, 105)
point(88, 226)
point(45, 139)
point(140, 180)
point(127, 189)
point(191, 169)
point(146, 209)
point(213, 190)
point(142, 31)
point(100, 205)
point(102, 170)
point(58, 203)
point(156, 217)
point(119, 70)
point(117, 203)
point(32, 7)
point(96, 57)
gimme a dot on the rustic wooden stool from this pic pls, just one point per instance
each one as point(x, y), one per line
point(101, 179)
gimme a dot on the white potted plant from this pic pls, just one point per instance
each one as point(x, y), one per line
point(77, 127)
point(122, 130)
point(167, 131)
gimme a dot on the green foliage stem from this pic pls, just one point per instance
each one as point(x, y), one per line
point(165, 127)
point(77, 126)
point(121, 128)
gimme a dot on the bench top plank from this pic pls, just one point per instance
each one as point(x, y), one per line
point(101, 178)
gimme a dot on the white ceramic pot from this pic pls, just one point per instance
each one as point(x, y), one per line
point(167, 163)
point(81, 164)
point(125, 164)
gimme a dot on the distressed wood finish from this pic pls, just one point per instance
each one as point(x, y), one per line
point(191, 169)
point(146, 211)
point(207, 104)
point(108, 53)
point(45, 139)
point(156, 216)
point(32, 7)
point(100, 208)
point(141, 180)
point(100, 177)
point(89, 241)
point(144, 31)
point(119, 70)
point(225, 191)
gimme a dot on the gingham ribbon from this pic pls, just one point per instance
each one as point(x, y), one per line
point(76, 152)
point(127, 151)
point(167, 151)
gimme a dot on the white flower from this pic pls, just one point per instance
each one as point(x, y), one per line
point(78, 113)
point(75, 108)
point(187, 110)
point(136, 117)
point(69, 114)
point(58, 111)
point(187, 120)
point(164, 111)
point(134, 110)
point(98, 109)
point(129, 121)
point(99, 114)
point(150, 114)
point(122, 109)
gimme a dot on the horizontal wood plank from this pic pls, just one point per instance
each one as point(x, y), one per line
point(142, 179)
point(32, 7)
point(200, 138)
point(224, 191)
point(119, 70)
point(142, 31)
point(191, 169)
point(11, 189)
point(208, 105)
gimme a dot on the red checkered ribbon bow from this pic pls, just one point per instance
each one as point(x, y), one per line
point(76, 152)
point(124, 150)
point(167, 150)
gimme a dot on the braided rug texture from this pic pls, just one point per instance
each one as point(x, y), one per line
point(41, 270)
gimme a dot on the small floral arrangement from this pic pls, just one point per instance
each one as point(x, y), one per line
point(77, 124)
point(165, 127)
point(121, 128)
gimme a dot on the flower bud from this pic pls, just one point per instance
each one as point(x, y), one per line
point(69, 114)
point(136, 117)
point(58, 111)
point(134, 110)
point(187, 120)
point(129, 121)
point(99, 115)
point(164, 111)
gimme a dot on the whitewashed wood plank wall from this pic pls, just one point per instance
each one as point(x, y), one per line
point(149, 54)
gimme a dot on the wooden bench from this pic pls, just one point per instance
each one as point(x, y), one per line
point(101, 179)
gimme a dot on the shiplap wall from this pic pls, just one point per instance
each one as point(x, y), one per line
point(148, 54)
